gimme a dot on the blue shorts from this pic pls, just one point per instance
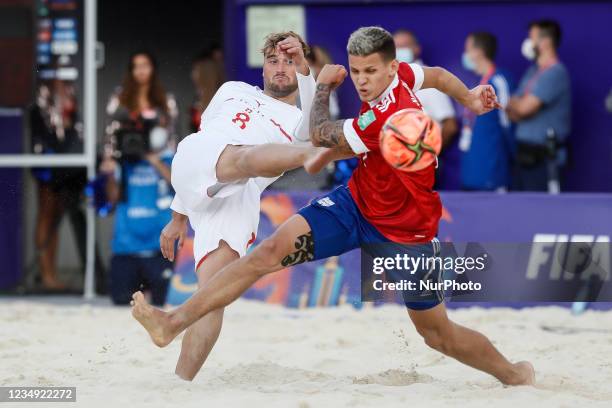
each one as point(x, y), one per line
point(338, 227)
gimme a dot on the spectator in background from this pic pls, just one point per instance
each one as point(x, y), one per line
point(486, 141)
point(56, 129)
point(207, 75)
point(435, 103)
point(139, 181)
point(541, 108)
point(317, 58)
point(340, 171)
point(336, 172)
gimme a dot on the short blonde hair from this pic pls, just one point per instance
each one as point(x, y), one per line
point(368, 40)
point(272, 40)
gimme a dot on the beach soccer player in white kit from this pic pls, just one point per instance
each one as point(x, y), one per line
point(246, 141)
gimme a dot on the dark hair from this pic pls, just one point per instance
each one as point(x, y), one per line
point(550, 29)
point(369, 40)
point(319, 55)
point(208, 51)
point(129, 97)
point(486, 42)
point(406, 31)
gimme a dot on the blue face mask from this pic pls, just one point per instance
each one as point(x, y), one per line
point(467, 62)
point(404, 55)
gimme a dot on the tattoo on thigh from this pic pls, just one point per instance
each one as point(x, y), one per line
point(304, 246)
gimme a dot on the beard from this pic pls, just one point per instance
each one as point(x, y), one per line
point(280, 91)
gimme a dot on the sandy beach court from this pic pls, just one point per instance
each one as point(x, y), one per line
point(276, 357)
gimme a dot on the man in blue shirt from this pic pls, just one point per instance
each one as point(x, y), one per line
point(486, 141)
point(142, 192)
point(542, 109)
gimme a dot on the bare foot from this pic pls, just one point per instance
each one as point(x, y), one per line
point(155, 321)
point(525, 374)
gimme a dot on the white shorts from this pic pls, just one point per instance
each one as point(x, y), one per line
point(216, 211)
point(194, 171)
point(233, 219)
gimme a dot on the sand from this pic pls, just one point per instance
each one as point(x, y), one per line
point(269, 356)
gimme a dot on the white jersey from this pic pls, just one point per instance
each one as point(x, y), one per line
point(436, 104)
point(239, 114)
point(246, 115)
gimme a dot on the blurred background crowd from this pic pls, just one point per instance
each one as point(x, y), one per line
point(162, 64)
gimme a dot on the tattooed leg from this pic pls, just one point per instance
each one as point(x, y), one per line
point(304, 246)
point(293, 237)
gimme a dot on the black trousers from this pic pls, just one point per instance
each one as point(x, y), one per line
point(130, 273)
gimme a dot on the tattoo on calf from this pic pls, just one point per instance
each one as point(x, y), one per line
point(304, 245)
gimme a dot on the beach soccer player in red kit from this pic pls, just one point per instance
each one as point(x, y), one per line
point(381, 205)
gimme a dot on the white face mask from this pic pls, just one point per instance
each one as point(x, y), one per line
point(158, 139)
point(528, 49)
point(404, 55)
point(468, 62)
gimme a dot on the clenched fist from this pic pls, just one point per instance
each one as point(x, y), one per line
point(332, 75)
point(482, 99)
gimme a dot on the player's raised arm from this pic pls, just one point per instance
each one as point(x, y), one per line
point(294, 48)
point(306, 83)
point(324, 131)
point(480, 100)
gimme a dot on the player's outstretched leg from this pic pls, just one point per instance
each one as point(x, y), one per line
point(265, 160)
point(201, 337)
point(468, 346)
point(290, 245)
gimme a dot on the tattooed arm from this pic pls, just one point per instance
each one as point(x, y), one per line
point(323, 131)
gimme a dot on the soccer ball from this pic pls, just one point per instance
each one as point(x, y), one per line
point(410, 140)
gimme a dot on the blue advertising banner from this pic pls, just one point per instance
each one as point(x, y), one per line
point(329, 282)
point(551, 220)
point(523, 217)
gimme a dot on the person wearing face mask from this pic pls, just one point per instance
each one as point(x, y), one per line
point(340, 171)
point(486, 141)
point(435, 103)
point(299, 178)
point(541, 109)
point(317, 58)
point(608, 102)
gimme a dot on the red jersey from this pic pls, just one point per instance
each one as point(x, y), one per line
point(401, 205)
